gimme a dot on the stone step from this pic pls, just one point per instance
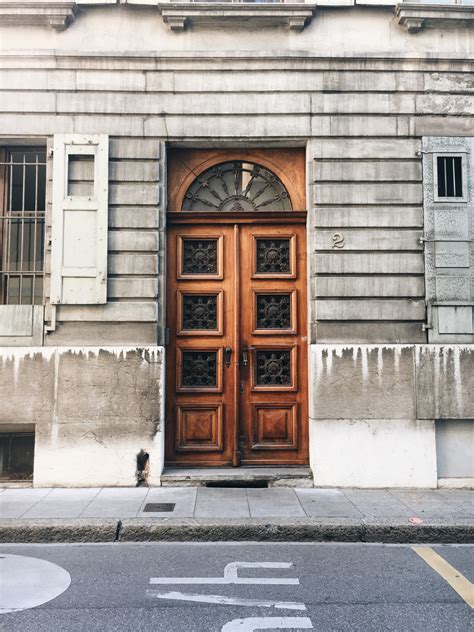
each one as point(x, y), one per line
point(237, 477)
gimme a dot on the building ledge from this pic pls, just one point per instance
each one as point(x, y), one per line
point(180, 15)
point(415, 17)
point(57, 14)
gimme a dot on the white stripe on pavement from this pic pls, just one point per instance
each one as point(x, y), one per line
point(226, 601)
point(231, 570)
point(223, 580)
point(231, 576)
point(268, 623)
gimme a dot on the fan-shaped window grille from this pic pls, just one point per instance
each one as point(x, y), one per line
point(237, 186)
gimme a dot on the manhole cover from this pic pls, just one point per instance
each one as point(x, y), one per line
point(159, 507)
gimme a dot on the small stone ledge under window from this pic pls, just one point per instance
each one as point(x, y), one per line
point(57, 14)
point(415, 17)
point(180, 15)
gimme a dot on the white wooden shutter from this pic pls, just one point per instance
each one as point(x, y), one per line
point(449, 247)
point(79, 219)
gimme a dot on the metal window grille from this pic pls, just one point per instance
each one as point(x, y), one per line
point(449, 176)
point(22, 225)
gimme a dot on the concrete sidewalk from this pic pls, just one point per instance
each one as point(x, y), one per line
point(106, 514)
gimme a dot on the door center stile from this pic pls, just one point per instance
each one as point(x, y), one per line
point(236, 454)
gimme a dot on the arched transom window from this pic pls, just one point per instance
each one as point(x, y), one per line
point(237, 186)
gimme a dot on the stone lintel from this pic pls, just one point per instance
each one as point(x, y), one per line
point(415, 17)
point(179, 15)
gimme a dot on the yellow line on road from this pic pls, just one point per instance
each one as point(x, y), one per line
point(453, 577)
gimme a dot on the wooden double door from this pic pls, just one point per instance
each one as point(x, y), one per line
point(237, 352)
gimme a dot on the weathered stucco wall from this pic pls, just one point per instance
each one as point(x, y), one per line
point(373, 409)
point(93, 410)
point(371, 416)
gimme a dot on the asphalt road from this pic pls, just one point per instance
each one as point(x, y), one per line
point(231, 587)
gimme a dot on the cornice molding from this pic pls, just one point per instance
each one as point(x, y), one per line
point(182, 15)
point(415, 17)
point(57, 14)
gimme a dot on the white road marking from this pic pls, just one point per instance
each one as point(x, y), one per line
point(268, 623)
point(226, 601)
point(223, 580)
point(232, 569)
point(27, 582)
point(231, 576)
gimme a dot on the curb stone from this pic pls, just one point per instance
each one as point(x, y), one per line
point(57, 531)
point(209, 530)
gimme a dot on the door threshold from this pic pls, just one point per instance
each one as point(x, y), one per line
point(298, 476)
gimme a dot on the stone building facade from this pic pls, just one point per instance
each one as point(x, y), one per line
point(357, 116)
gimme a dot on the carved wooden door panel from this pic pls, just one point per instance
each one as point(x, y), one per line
point(201, 368)
point(273, 372)
point(237, 357)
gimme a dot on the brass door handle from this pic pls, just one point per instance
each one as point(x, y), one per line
point(245, 354)
point(227, 355)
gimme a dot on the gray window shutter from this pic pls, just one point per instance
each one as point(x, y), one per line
point(449, 247)
point(79, 220)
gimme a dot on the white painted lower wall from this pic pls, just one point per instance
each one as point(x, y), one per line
point(86, 462)
point(373, 453)
point(373, 410)
point(92, 409)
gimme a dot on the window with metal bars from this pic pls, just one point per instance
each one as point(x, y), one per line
point(449, 176)
point(22, 225)
point(17, 455)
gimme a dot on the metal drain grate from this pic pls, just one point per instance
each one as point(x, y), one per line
point(159, 507)
point(256, 484)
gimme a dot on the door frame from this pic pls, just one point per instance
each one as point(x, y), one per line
point(181, 173)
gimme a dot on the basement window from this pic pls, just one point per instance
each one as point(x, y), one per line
point(22, 225)
point(449, 177)
point(16, 456)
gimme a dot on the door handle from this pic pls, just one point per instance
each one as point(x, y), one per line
point(227, 355)
point(245, 354)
